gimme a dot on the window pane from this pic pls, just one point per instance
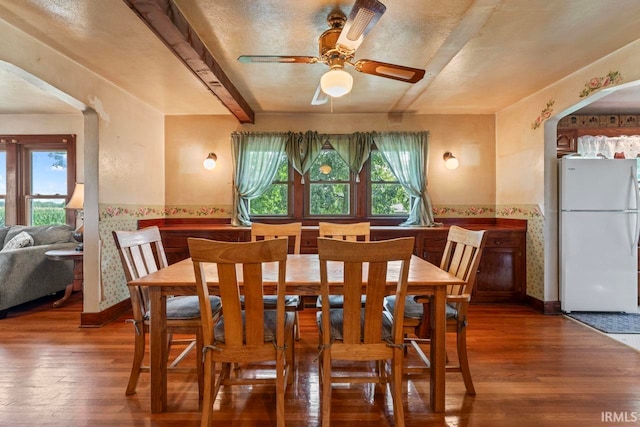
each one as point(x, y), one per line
point(2, 213)
point(380, 170)
point(48, 172)
point(275, 201)
point(3, 173)
point(46, 211)
point(329, 199)
point(389, 199)
point(329, 166)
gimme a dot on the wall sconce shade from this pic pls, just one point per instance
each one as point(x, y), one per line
point(450, 162)
point(210, 162)
point(336, 82)
point(77, 202)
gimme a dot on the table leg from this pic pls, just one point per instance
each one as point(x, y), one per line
point(157, 349)
point(438, 350)
point(76, 285)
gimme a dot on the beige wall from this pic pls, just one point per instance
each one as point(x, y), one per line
point(526, 164)
point(123, 160)
point(469, 137)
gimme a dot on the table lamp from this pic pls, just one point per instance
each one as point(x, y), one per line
point(77, 202)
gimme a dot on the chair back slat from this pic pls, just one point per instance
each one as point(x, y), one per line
point(229, 259)
point(141, 252)
point(462, 256)
point(365, 273)
point(360, 231)
point(261, 231)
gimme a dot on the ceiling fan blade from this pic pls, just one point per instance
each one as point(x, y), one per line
point(277, 58)
point(390, 71)
point(362, 18)
point(319, 97)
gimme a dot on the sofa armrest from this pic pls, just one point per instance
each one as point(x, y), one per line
point(21, 262)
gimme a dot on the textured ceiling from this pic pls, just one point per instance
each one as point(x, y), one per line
point(481, 56)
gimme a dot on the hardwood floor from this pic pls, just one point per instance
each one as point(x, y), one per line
point(529, 370)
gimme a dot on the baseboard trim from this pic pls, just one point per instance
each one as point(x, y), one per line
point(101, 318)
point(545, 307)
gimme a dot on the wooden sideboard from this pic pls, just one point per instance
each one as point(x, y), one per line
point(501, 276)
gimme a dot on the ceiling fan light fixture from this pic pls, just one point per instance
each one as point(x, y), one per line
point(336, 82)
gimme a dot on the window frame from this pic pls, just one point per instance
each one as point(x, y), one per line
point(360, 194)
point(18, 149)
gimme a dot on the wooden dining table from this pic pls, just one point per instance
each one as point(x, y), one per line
point(303, 278)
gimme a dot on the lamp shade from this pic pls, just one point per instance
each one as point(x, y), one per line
point(77, 198)
point(336, 82)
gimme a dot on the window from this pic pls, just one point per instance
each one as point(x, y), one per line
point(37, 174)
point(275, 202)
point(387, 195)
point(329, 186)
point(330, 189)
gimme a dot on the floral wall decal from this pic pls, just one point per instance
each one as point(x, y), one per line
point(544, 115)
point(597, 83)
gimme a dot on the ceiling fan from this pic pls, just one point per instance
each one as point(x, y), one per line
point(338, 45)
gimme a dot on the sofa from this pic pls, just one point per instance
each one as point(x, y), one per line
point(26, 273)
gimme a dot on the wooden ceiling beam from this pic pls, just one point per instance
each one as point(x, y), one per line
point(165, 19)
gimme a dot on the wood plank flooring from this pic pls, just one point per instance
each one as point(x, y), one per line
point(529, 370)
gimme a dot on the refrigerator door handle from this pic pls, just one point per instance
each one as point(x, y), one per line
point(634, 186)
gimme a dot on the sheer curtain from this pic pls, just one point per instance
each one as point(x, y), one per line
point(407, 154)
point(255, 163)
point(604, 146)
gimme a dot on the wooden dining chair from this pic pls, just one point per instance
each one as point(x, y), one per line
point(461, 258)
point(141, 253)
point(251, 335)
point(363, 334)
point(360, 231)
point(261, 231)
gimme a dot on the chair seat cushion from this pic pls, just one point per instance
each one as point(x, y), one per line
point(337, 301)
point(187, 307)
point(413, 310)
point(337, 323)
point(270, 317)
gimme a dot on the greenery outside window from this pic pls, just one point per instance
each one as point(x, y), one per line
point(387, 196)
point(330, 186)
point(275, 201)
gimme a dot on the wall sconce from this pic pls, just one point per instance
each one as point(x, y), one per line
point(450, 162)
point(210, 162)
point(77, 202)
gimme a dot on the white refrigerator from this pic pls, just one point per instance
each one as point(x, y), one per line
point(599, 228)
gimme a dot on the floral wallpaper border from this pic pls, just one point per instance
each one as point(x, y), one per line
point(544, 115)
point(597, 83)
point(208, 211)
point(159, 211)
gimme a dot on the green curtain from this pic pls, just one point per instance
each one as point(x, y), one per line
point(407, 154)
point(354, 149)
point(303, 149)
point(255, 162)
